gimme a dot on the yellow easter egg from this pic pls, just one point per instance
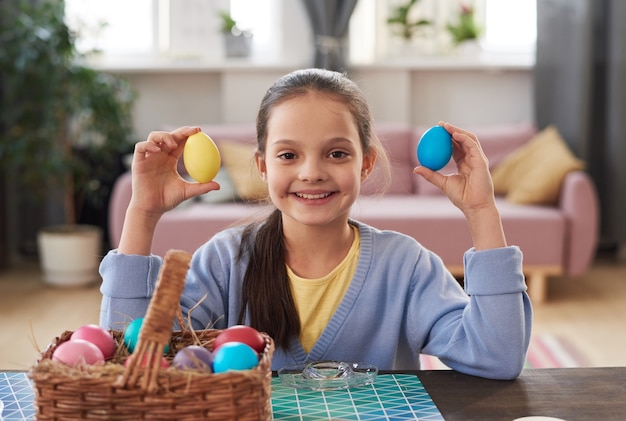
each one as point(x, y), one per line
point(201, 157)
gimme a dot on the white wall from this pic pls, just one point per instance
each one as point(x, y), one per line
point(472, 97)
point(420, 96)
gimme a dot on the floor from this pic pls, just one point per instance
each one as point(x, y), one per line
point(588, 312)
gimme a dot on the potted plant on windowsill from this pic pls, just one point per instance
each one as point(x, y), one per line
point(237, 42)
point(64, 127)
point(465, 31)
point(403, 22)
point(412, 34)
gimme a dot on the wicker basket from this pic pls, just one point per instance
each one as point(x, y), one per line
point(115, 392)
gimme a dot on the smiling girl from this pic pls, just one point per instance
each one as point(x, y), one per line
point(325, 286)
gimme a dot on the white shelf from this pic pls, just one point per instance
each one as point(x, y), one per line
point(456, 62)
point(191, 64)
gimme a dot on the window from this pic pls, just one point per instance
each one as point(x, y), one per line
point(114, 26)
point(182, 28)
point(510, 26)
point(259, 17)
point(186, 28)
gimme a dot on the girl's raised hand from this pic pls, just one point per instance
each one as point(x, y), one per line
point(157, 186)
point(471, 188)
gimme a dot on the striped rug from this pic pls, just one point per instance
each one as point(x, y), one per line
point(545, 351)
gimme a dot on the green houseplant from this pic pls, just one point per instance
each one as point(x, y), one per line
point(403, 21)
point(465, 28)
point(63, 124)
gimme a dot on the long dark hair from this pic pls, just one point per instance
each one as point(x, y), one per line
point(266, 295)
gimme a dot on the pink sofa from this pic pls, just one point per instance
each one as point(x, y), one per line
point(555, 240)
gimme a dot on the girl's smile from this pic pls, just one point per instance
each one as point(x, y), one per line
point(314, 198)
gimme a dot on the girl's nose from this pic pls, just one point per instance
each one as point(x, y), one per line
point(312, 171)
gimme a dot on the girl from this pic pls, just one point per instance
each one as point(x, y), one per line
point(322, 285)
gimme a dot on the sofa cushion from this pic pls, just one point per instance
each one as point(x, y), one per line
point(238, 161)
point(533, 173)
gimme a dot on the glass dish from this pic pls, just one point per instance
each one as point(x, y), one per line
point(328, 375)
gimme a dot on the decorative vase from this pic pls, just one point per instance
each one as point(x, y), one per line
point(70, 256)
point(237, 45)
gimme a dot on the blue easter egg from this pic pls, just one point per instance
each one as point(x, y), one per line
point(234, 356)
point(131, 335)
point(434, 149)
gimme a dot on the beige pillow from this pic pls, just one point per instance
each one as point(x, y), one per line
point(238, 159)
point(533, 173)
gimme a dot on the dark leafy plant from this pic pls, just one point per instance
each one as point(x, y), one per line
point(64, 125)
point(407, 27)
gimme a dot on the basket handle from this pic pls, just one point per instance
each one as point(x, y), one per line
point(156, 329)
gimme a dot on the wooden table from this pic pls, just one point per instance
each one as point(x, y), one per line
point(567, 393)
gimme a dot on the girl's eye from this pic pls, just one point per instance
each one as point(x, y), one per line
point(287, 155)
point(338, 154)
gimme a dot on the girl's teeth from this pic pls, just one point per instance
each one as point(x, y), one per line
point(312, 196)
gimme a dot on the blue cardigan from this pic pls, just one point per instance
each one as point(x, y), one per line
point(401, 302)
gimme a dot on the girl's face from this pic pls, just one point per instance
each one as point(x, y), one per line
point(313, 162)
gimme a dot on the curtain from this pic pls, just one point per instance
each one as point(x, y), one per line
point(329, 23)
point(580, 86)
point(615, 153)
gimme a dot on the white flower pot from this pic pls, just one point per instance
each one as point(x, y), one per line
point(238, 45)
point(469, 48)
point(70, 256)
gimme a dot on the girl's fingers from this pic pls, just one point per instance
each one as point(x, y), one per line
point(159, 141)
point(184, 132)
point(165, 141)
point(452, 129)
point(145, 149)
point(433, 177)
point(180, 135)
point(173, 138)
point(196, 189)
point(146, 146)
point(466, 142)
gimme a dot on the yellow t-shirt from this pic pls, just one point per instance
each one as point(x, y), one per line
point(317, 299)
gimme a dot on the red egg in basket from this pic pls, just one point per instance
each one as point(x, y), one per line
point(240, 333)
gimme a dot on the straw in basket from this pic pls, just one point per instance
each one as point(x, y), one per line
point(143, 390)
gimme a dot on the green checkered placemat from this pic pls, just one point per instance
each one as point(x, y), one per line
point(391, 397)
